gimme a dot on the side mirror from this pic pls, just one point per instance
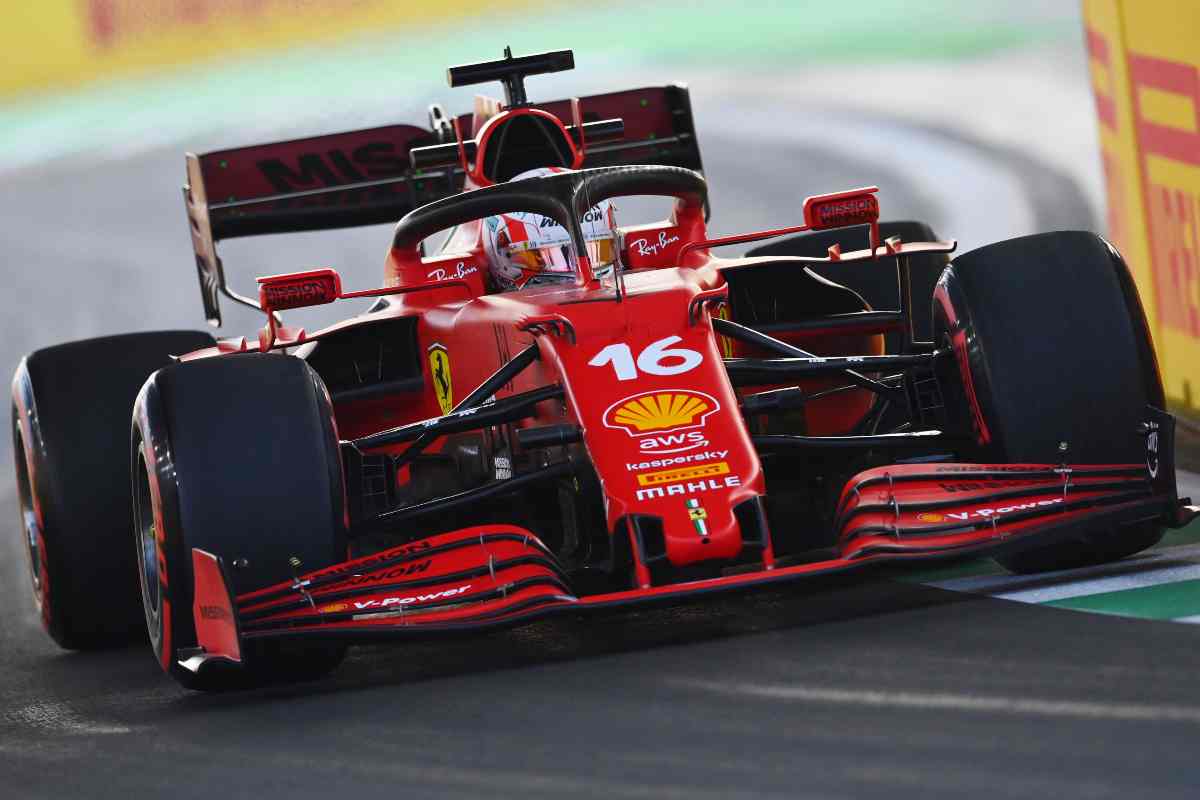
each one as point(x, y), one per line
point(841, 209)
point(821, 212)
point(314, 288)
point(299, 290)
point(296, 290)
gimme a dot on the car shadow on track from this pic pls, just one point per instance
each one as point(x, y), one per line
point(811, 604)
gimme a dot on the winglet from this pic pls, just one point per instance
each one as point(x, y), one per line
point(217, 631)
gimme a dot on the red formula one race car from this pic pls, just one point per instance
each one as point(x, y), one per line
point(551, 412)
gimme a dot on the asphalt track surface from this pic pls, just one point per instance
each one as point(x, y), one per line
point(859, 687)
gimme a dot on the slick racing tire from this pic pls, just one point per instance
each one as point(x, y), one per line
point(237, 456)
point(70, 417)
point(1050, 347)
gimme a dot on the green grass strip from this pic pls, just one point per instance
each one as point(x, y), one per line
point(1165, 601)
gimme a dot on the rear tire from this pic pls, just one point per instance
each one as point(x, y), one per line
point(238, 456)
point(70, 412)
point(1050, 346)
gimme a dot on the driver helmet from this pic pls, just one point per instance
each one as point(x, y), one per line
point(523, 247)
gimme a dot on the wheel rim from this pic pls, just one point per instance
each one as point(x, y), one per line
point(30, 530)
point(147, 548)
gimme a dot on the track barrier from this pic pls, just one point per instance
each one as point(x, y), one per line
point(1145, 70)
point(57, 44)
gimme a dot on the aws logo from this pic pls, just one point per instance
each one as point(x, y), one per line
point(663, 421)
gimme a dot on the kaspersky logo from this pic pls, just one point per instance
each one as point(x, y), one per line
point(660, 411)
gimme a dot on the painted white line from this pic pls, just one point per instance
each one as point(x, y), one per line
point(1001, 99)
point(928, 162)
point(944, 701)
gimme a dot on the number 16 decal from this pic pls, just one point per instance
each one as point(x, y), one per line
point(659, 358)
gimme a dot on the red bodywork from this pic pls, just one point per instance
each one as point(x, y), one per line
point(645, 380)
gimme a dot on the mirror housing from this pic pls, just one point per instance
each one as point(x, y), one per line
point(841, 209)
point(299, 290)
point(294, 290)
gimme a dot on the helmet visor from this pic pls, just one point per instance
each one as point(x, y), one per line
point(555, 260)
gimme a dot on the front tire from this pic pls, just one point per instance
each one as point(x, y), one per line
point(238, 456)
point(1052, 362)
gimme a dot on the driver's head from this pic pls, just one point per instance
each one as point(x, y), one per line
point(524, 247)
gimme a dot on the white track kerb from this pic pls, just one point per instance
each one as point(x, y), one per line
point(1162, 583)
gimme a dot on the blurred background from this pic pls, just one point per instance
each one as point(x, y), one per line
point(979, 118)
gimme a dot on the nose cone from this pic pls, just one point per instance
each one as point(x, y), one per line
point(662, 426)
point(672, 469)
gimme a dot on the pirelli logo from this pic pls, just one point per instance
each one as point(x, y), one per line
point(682, 474)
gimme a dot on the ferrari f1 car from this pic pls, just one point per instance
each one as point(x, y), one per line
point(457, 458)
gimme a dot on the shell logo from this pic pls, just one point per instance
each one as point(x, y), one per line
point(661, 410)
point(333, 608)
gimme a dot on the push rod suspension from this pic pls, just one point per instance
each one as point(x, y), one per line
point(914, 439)
point(772, 370)
point(389, 520)
point(752, 337)
point(509, 409)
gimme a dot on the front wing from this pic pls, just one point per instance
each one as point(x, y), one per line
point(499, 575)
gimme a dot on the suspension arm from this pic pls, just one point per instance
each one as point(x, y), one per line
point(921, 439)
point(781, 370)
point(390, 520)
point(758, 339)
point(509, 409)
point(515, 366)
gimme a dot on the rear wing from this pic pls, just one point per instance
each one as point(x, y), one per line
point(366, 177)
point(659, 127)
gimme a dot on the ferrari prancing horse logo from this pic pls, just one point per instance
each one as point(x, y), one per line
point(439, 369)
